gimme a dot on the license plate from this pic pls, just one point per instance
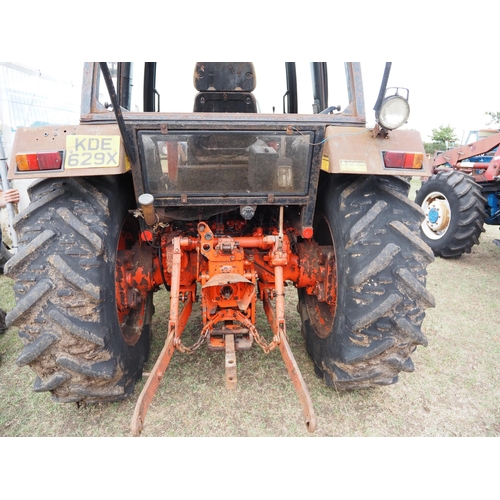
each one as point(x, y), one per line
point(92, 151)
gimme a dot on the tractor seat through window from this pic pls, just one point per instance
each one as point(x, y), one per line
point(224, 87)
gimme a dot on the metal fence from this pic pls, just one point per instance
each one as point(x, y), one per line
point(31, 97)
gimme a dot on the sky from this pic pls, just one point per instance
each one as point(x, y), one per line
point(438, 51)
point(434, 99)
point(441, 97)
point(451, 74)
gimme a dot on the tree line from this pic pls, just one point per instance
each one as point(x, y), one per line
point(444, 137)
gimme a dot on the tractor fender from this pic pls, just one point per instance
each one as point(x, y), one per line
point(356, 150)
point(87, 150)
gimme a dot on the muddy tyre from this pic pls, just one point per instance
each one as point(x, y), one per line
point(380, 260)
point(64, 276)
point(454, 210)
point(5, 255)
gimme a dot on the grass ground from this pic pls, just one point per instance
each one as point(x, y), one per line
point(454, 391)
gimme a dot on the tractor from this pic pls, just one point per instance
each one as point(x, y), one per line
point(222, 205)
point(462, 195)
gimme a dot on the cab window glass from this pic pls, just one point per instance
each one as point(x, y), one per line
point(102, 90)
point(175, 91)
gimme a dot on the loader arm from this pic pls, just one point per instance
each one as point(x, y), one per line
point(460, 153)
point(455, 156)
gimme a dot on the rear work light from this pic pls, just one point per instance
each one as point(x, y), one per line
point(393, 112)
point(47, 160)
point(397, 159)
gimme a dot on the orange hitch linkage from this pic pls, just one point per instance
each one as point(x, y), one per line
point(175, 327)
point(276, 319)
point(277, 322)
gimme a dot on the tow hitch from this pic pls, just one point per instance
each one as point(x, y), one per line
point(228, 299)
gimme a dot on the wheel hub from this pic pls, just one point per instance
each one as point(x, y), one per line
point(433, 215)
point(438, 215)
point(318, 264)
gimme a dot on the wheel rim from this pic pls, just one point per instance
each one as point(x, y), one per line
point(437, 215)
point(322, 313)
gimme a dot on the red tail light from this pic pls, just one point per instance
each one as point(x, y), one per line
point(47, 160)
point(397, 159)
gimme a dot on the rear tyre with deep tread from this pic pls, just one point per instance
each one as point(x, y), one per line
point(457, 200)
point(5, 255)
point(64, 276)
point(380, 272)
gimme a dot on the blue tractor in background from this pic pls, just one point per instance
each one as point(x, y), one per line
point(462, 195)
